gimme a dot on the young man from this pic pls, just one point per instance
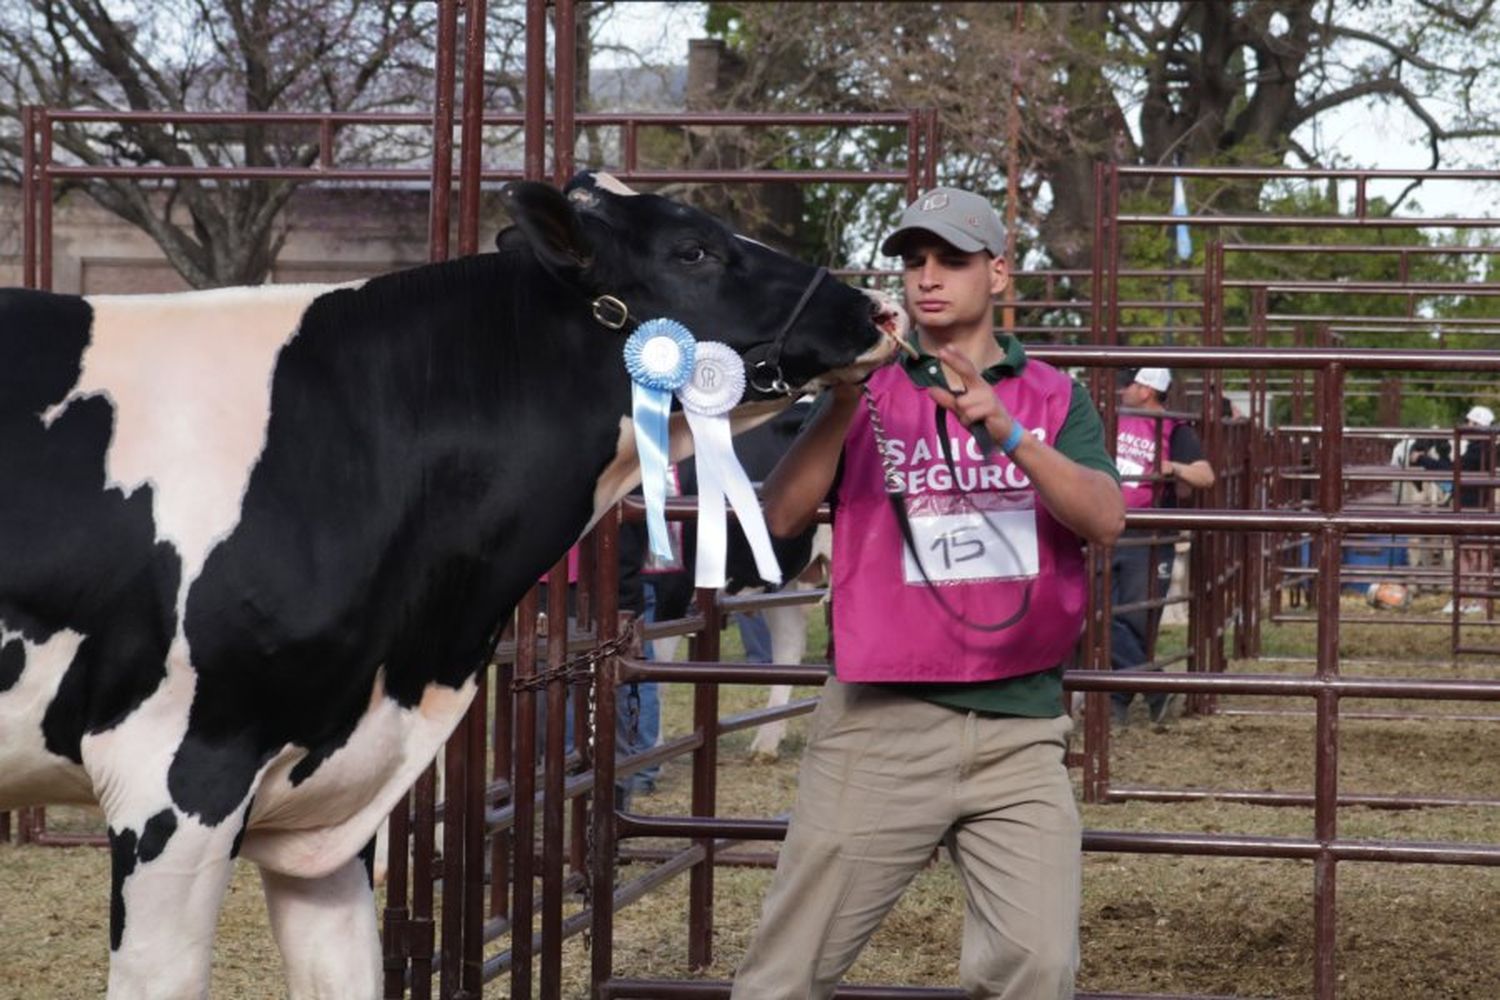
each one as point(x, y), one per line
point(942, 725)
point(1148, 443)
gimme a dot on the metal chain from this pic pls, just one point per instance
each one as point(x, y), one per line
point(578, 669)
point(586, 889)
point(581, 669)
point(894, 483)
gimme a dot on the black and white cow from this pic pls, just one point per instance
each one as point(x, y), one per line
point(256, 543)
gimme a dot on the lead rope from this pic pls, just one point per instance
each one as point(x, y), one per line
point(895, 492)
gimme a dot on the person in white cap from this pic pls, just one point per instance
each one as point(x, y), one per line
point(1154, 453)
point(956, 600)
point(1477, 460)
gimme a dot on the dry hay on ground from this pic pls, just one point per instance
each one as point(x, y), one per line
point(1235, 927)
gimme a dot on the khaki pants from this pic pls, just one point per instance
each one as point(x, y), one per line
point(885, 779)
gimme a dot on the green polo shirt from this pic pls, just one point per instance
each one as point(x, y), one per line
point(1081, 439)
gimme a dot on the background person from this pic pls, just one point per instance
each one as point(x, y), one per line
point(933, 731)
point(1478, 459)
point(1148, 443)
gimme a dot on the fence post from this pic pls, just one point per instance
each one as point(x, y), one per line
point(705, 766)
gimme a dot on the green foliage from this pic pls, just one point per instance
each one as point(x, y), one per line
point(1364, 316)
point(726, 21)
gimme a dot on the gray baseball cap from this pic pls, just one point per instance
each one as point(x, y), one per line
point(962, 218)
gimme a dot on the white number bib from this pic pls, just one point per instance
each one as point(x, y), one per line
point(973, 545)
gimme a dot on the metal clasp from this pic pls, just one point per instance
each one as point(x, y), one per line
point(778, 381)
point(611, 312)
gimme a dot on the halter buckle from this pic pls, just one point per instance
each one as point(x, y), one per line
point(778, 381)
point(611, 312)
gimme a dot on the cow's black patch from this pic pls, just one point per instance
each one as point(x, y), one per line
point(367, 855)
point(78, 554)
point(126, 850)
point(122, 858)
point(157, 832)
point(41, 345)
point(12, 662)
point(394, 516)
point(239, 838)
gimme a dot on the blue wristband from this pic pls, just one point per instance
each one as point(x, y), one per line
point(1013, 439)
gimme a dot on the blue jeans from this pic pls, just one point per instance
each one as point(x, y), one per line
point(755, 634)
point(637, 716)
point(1132, 633)
point(638, 713)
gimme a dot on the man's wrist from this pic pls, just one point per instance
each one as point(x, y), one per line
point(1013, 440)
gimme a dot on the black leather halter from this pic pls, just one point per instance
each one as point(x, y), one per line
point(609, 311)
point(771, 363)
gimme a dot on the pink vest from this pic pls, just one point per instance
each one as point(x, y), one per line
point(887, 624)
point(1136, 441)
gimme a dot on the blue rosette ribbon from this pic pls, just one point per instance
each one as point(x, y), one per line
point(659, 357)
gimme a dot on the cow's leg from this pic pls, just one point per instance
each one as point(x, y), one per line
point(788, 645)
point(169, 876)
point(380, 853)
point(325, 928)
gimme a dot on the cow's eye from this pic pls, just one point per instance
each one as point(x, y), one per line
point(691, 254)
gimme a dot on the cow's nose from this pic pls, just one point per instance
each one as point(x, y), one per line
point(887, 314)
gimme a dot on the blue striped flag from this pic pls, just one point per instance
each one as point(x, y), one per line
point(1179, 207)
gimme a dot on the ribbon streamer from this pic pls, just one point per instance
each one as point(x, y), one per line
point(659, 357)
point(716, 386)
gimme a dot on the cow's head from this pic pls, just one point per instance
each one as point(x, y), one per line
point(792, 323)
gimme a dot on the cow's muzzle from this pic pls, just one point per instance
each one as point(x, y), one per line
point(887, 315)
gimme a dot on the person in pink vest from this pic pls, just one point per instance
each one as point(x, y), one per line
point(1154, 453)
point(956, 600)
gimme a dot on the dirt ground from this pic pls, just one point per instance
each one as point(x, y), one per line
point(1151, 924)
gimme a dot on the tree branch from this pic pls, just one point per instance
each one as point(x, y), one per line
point(1402, 53)
point(1468, 22)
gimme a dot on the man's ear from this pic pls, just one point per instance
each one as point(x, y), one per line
point(551, 227)
point(999, 275)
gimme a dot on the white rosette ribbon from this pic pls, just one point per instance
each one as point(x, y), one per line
point(659, 357)
point(716, 387)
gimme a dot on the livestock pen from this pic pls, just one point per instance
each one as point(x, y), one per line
point(1256, 847)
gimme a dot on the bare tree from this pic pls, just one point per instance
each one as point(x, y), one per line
point(224, 55)
point(1213, 82)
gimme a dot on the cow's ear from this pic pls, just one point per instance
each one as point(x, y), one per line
point(550, 224)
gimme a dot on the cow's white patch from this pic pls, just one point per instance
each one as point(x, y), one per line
point(189, 376)
point(128, 762)
point(30, 774)
point(309, 830)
